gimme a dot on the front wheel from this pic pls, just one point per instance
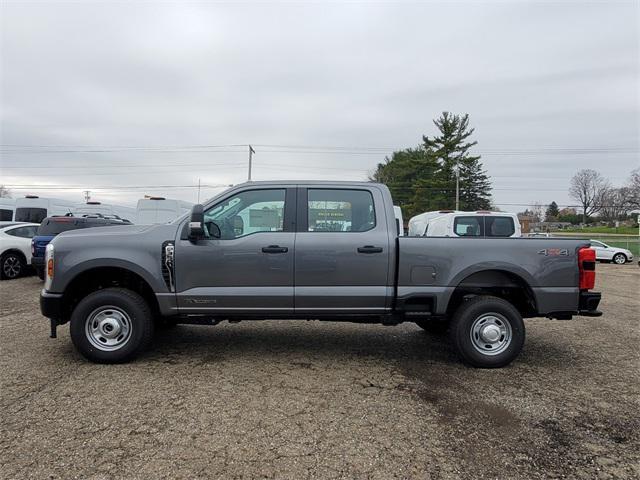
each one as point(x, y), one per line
point(12, 266)
point(112, 325)
point(487, 332)
point(619, 258)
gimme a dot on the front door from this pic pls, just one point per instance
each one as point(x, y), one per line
point(250, 267)
point(342, 251)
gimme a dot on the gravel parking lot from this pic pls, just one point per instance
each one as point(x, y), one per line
point(324, 400)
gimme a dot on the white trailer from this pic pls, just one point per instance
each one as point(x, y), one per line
point(93, 207)
point(160, 210)
point(7, 209)
point(418, 224)
point(34, 209)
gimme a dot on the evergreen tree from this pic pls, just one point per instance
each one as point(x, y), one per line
point(451, 149)
point(423, 178)
point(552, 212)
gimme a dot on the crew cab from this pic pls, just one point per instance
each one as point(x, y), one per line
point(308, 250)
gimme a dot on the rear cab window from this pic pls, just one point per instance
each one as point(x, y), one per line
point(467, 226)
point(340, 210)
point(484, 226)
point(54, 226)
point(498, 226)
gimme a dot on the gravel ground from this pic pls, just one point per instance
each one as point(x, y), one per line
point(324, 400)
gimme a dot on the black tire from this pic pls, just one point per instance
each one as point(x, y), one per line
point(436, 327)
point(12, 265)
point(472, 313)
point(129, 309)
point(619, 259)
point(40, 273)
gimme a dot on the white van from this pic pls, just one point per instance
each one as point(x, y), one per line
point(418, 224)
point(7, 207)
point(35, 209)
point(160, 210)
point(475, 224)
point(92, 207)
point(398, 214)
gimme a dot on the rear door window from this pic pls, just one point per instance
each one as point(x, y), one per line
point(498, 226)
point(33, 215)
point(340, 210)
point(468, 226)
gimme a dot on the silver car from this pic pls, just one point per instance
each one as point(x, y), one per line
point(607, 253)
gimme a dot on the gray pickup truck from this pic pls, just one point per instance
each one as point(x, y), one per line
point(308, 250)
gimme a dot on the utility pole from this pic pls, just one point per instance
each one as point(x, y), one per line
point(457, 187)
point(251, 152)
point(198, 190)
point(87, 195)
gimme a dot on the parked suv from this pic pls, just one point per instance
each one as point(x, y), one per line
point(14, 248)
point(52, 226)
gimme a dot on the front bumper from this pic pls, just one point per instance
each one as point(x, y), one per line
point(588, 304)
point(51, 305)
point(37, 263)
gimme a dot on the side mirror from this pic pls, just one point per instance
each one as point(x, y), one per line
point(196, 223)
point(213, 229)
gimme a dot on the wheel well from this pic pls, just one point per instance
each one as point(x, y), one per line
point(105, 277)
point(16, 251)
point(498, 283)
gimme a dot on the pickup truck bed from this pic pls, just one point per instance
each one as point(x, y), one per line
point(316, 250)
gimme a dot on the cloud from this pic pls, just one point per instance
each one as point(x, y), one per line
point(356, 74)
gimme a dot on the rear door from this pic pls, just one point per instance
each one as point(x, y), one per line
point(250, 267)
point(342, 251)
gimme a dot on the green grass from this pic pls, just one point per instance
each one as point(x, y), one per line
point(619, 230)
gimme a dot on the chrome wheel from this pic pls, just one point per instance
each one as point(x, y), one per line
point(491, 334)
point(11, 267)
point(620, 259)
point(108, 328)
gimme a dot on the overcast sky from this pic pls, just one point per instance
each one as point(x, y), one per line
point(121, 99)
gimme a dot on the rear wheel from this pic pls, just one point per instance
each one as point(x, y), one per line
point(112, 325)
point(620, 258)
point(12, 265)
point(487, 332)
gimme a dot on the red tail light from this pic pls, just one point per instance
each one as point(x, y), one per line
point(587, 268)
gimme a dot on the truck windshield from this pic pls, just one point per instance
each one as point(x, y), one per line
point(54, 226)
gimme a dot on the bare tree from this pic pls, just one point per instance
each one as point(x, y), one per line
point(588, 187)
point(634, 187)
point(4, 192)
point(616, 202)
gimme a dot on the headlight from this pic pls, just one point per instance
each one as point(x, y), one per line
point(49, 266)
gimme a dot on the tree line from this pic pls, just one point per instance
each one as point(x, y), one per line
point(597, 199)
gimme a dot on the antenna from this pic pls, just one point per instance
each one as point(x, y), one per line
point(251, 152)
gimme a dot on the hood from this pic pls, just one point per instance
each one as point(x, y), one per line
point(119, 230)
